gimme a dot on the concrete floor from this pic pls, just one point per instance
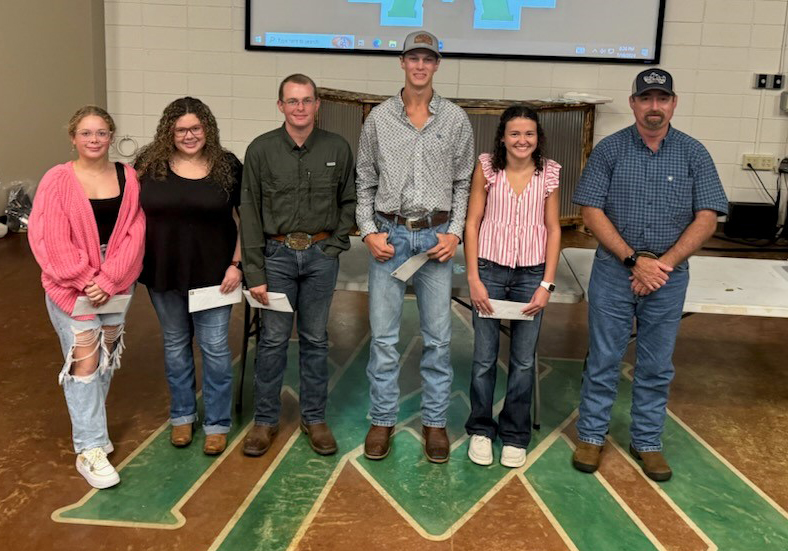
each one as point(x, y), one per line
point(725, 438)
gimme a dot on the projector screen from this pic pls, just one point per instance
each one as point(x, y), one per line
point(627, 31)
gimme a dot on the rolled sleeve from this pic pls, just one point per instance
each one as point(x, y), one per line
point(594, 184)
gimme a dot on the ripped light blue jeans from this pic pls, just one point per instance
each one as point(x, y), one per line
point(86, 395)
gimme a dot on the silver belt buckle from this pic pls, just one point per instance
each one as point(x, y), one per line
point(298, 241)
point(409, 223)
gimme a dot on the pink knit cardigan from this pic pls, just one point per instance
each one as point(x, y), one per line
point(64, 238)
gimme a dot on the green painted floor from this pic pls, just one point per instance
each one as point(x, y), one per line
point(723, 507)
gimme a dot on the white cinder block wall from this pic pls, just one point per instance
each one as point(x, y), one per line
point(158, 50)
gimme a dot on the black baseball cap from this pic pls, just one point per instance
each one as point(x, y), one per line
point(653, 79)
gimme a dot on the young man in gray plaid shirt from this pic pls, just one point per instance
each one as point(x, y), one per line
point(414, 165)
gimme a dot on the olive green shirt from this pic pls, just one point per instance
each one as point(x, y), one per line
point(287, 189)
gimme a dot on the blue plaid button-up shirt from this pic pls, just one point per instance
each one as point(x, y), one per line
point(650, 197)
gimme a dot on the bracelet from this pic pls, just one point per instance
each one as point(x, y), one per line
point(237, 264)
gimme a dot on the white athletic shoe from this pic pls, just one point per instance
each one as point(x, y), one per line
point(97, 470)
point(480, 450)
point(512, 457)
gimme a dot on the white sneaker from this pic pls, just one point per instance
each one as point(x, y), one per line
point(480, 450)
point(512, 457)
point(97, 470)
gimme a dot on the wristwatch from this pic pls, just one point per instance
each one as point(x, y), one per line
point(237, 264)
point(547, 285)
point(631, 260)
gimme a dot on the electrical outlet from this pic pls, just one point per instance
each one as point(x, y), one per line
point(759, 161)
point(761, 80)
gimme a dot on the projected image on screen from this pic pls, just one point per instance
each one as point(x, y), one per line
point(610, 30)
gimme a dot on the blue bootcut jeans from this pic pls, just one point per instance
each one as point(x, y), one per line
point(308, 279)
point(86, 395)
point(612, 307)
point(514, 421)
point(432, 283)
point(211, 328)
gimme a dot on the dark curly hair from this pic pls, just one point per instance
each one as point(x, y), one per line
point(499, 151)
point(154, 158)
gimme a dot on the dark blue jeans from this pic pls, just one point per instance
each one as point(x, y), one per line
point(211, 327)
point(514, 421)
point(307, 278)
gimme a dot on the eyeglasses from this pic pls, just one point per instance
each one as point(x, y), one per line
point(306, 102)
point(196, 131)
point(101, 135)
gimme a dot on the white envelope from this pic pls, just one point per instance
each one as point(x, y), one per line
point(277, 302)
point(115, 305)
point(410, 266)
point(206, 298)
point(507, 310)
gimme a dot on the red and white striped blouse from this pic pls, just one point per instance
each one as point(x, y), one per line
point(513, 232)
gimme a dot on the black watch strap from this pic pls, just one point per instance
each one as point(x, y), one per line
point(631, 260)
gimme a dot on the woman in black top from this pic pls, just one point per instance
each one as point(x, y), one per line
point(189, 188)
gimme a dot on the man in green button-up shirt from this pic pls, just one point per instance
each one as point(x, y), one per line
point(298, 203)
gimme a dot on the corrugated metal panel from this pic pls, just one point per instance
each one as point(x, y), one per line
point(565, 129)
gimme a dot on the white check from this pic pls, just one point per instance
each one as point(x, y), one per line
point(115, 305)
point(206, 298)
point(410, 266)
point(277, 302)
point(506, 310)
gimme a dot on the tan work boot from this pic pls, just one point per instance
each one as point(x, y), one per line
point(181, 435)
point(586, 457)
point(654, 464)
point(436, 444)
point(214, 444)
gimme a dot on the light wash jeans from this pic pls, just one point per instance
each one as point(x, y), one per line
point(308, 279)
point(611, 308)
point(86, 395)
point(211, 328)
point(514, 422)
point(432, 284)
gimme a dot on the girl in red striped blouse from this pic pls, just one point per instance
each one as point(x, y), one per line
point(512, 243)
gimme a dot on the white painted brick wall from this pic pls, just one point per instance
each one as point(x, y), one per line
point(158, 50)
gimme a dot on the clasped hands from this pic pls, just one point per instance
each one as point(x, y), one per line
point(382, 250)
point(648, 275)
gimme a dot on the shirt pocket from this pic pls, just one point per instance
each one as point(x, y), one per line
point(323, 185)
point(680, 200)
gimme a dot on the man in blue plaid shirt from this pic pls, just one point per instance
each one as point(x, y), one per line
point(651, 196)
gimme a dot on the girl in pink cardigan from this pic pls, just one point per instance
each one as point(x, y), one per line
point(87, 233)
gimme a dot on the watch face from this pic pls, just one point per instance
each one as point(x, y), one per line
point(630, 261)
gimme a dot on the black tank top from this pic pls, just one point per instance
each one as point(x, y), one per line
point(106, 210)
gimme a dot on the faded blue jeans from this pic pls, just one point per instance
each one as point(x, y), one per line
point(86, 395)
point(612, 306)
point(211, 328)
point(432, 284)
point(514, 421)
point(308, 279)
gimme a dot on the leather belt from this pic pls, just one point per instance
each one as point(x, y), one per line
point(412, 224)
point(300, 241)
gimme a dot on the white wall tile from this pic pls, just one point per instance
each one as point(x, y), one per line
point(718, 105)
point(448, 72)
point(255, 109)
point(684, 11)
point(210, 40)
point(214, 63)
point(725, 34)
point(527, 74)
point(722, 82)
point(476, 91)
point(121, 36)
point(158, 15)
point(131, 125)
point(724, 129)
point(211, 85)
point(124, 81)
point(774, 130)
point(125, 103)
point(165, 83)
point(254, 63)
point(254, 87)
point(767, 36)
point(769, 12)
point(165, 38)
point(481, 72)
point(679, 57)
point(525, 93)
point(728, 59)
point(682, 34)
point(206, 17)
point(764, 61)
point(154, 104)
point(576, 77)
point(728, 11)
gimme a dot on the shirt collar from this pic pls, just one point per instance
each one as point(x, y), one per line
point(637, 138)
point(433, 106)
point(291, 143)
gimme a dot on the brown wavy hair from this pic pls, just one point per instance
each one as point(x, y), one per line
point(87, 111)
point(499, 151)
point(154, 158)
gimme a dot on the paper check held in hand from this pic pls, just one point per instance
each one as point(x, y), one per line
point(506, 310)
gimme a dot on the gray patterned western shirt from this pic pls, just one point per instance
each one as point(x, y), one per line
point(411, 172)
